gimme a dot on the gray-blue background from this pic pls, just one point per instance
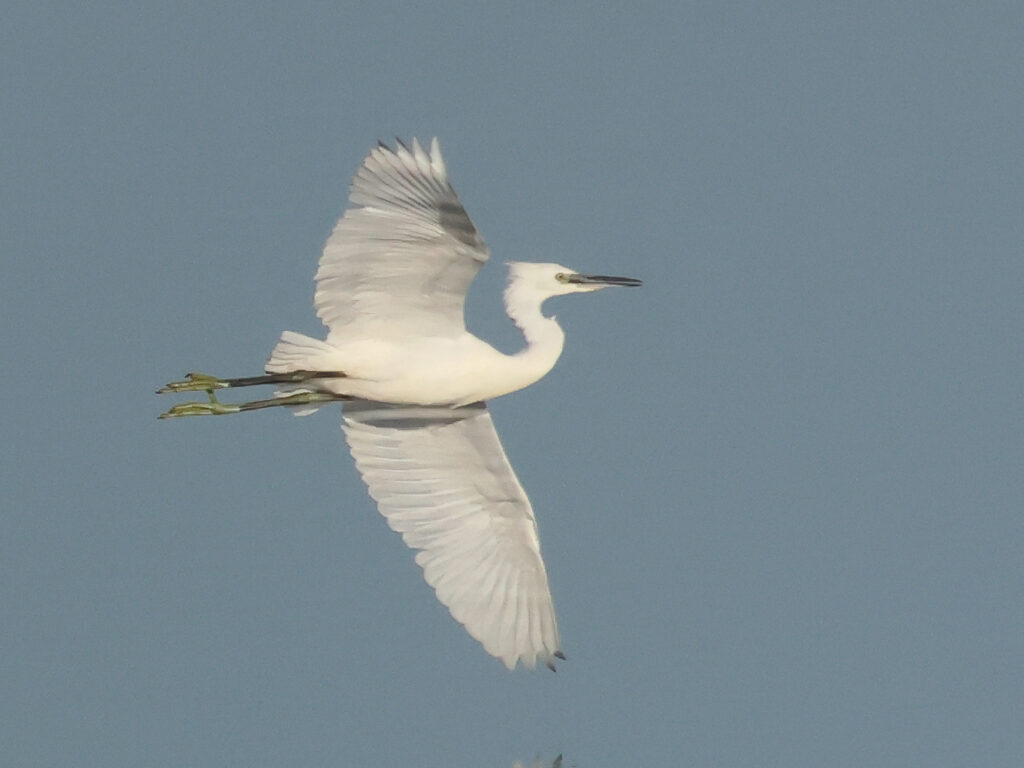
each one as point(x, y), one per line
point(779, 487)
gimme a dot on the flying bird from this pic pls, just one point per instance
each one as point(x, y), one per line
point(413, 383)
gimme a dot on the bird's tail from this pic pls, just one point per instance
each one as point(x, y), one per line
point(296, 352)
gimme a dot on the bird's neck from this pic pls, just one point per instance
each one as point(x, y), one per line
point(544, 336)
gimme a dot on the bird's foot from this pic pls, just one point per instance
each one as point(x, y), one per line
point(194, 382)
point(212, 408)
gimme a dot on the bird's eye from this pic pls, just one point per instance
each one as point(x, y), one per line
point(562, 277)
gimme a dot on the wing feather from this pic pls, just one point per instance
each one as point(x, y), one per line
point(400, 261)
point(441, 479)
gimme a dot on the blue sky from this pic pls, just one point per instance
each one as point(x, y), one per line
point(779, 488)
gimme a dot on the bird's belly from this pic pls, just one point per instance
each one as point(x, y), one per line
point(448, 373)
point(420, 387)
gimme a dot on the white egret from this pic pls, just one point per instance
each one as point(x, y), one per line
point(390, 289)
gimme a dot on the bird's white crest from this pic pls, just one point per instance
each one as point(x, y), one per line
point(391, 289)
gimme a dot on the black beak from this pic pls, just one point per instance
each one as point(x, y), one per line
point(603, 280)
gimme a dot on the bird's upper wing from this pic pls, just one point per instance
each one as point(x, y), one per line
point(440, 477)
point(401, 261)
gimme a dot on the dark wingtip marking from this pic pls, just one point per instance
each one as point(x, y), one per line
point(559, 655)
point(454, 219)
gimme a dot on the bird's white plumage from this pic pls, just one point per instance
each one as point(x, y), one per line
point(440, 477)
point(391, 288)
point(402, 260)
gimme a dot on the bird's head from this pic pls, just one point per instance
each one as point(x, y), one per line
point(547, 280)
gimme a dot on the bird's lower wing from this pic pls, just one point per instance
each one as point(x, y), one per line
point(441, 478)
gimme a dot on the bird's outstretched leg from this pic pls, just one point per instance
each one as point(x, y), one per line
point(216, 408)
point(204, 382)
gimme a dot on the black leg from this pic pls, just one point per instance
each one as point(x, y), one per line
point(216, 408)
point(204, 382)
